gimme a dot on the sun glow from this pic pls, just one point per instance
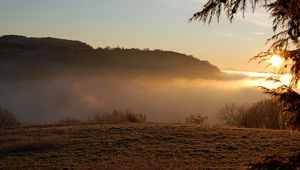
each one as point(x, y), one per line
point(276, 60)
point(254, 79)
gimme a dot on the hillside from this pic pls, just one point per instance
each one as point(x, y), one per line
point(140, 146)
point(31, 58)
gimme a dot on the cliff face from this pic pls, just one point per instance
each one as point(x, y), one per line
point(35, 58)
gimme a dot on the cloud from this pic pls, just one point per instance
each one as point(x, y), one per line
point(187, 4)
point(259, 33)
point(237, 36)
point(259, 18)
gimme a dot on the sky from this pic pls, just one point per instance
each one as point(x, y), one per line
point(153, 24)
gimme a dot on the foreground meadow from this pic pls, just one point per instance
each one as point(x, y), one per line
point(140, 146)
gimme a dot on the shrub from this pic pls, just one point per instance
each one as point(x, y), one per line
point(69, 121)
point(262, 114)
point(231, 113)
point(119, 117)
point(7, 119)
point(195, 118)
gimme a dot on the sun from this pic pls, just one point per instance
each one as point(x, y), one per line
point(276, 60)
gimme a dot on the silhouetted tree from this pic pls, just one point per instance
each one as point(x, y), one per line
point(7, 119)
point(284, 42)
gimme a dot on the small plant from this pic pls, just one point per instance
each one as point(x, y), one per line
point(7, 119)
point(195, 118)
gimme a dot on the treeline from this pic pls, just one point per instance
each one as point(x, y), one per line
point(41, 57)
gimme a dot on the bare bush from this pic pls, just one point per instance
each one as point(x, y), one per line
point(262, 114)
point(195, 118)
point(231, 113)
point(7, 119)
point(119, 117)
point(69, 121)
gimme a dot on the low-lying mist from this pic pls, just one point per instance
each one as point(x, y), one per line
point(160, 99)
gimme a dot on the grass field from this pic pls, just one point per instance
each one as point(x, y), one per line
point(140, 146)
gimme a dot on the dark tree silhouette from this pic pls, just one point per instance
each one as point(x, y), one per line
point(7, 119)
point(284, 42)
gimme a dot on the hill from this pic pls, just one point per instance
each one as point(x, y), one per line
point(140, 146)
point(31, 58)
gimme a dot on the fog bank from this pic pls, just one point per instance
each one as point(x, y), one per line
point(161, 100)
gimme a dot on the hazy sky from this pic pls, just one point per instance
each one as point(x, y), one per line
point(154, 24)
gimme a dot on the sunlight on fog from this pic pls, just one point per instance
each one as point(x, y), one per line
point(160, 99)
point(255, 79)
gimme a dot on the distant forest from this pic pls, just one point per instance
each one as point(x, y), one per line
point(32, 58)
